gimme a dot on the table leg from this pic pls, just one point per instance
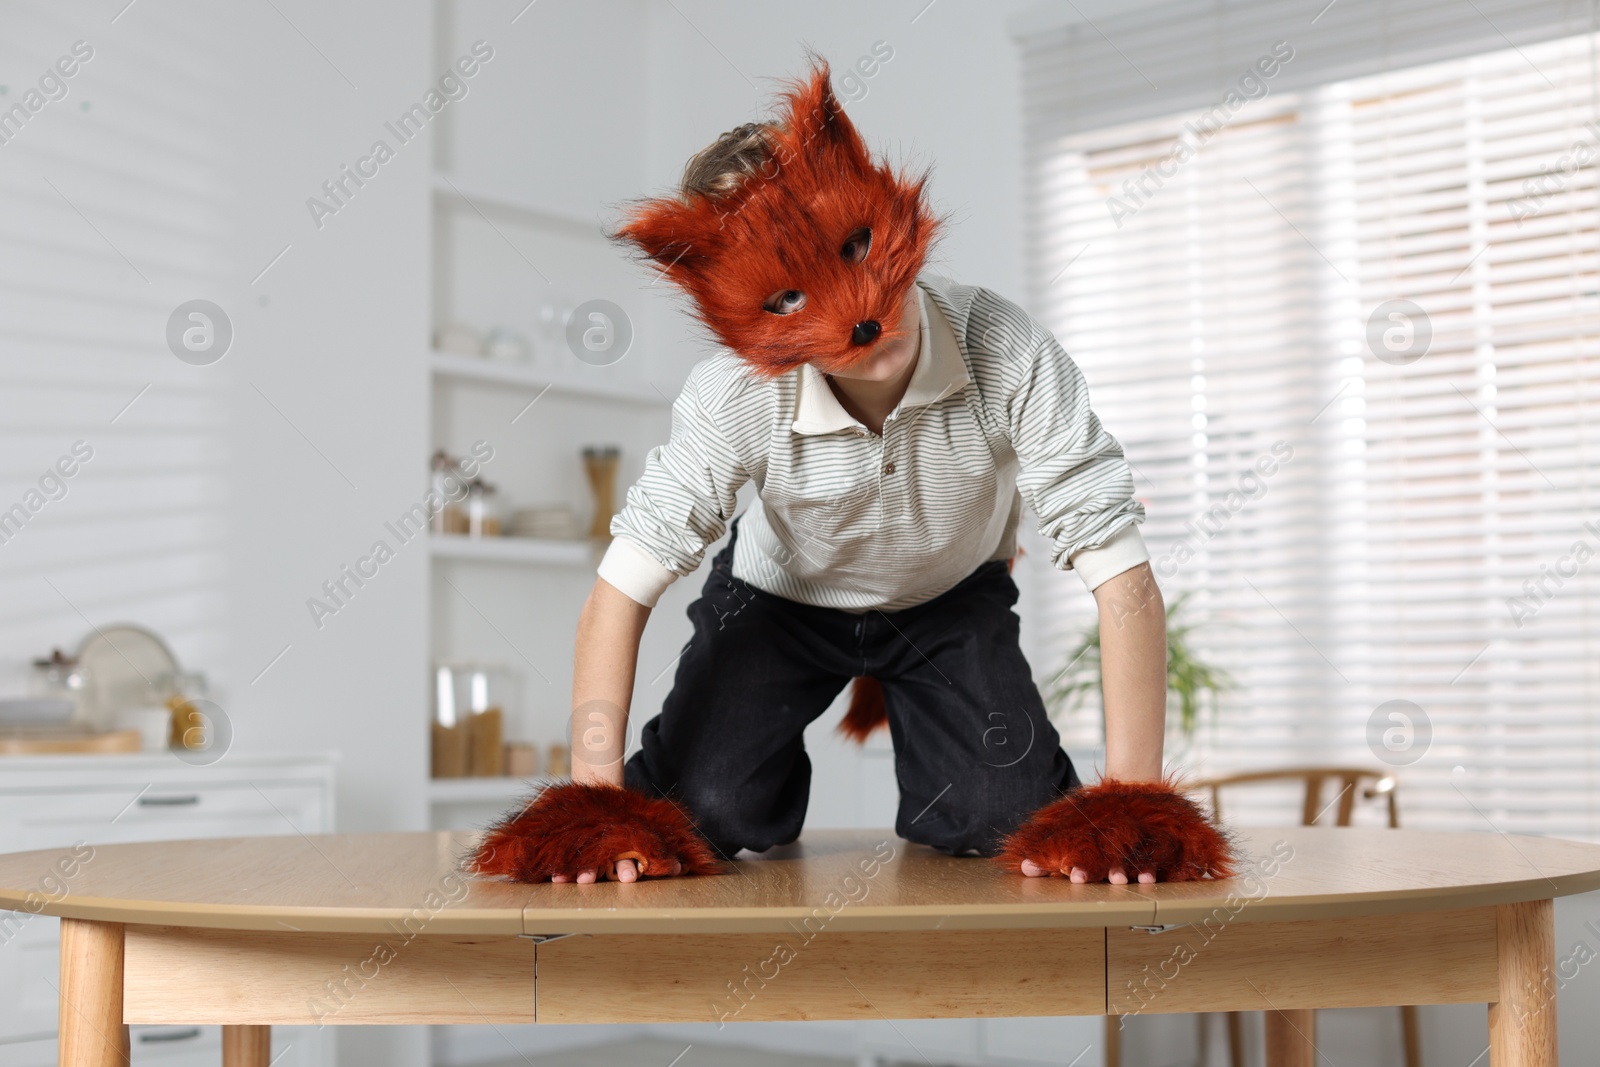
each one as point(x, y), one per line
point(1236, 1041)
point(1522, 1025)
point(1292, 1038)
point(1411, 1035)
point(92, 1033)
point(246, 1046)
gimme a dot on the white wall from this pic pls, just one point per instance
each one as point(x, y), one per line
point(329, 405)
point(220, 500)
point(949, 96)
point(114, 215)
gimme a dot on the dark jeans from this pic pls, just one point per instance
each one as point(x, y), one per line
point(974, 752)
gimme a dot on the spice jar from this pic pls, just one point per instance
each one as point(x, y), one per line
point(600, 464)
point(192, 729)
point(60, 677)
point(445, 482)
point(472, 703)
point(483, 509)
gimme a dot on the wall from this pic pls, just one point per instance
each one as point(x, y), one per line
point(949, 97)
point(328, 407)
point(114, 217)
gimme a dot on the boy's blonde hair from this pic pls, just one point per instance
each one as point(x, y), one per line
point(723, 165)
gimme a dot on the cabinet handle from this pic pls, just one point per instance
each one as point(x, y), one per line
point(171, 1035)
point(169, 802)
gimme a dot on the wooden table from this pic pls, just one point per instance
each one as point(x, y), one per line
point(381, 928)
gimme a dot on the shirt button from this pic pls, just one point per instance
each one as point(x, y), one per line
point(888, 468)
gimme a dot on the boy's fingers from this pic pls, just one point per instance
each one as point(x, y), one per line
point(561, 877)
point(626, 871)
point(586, 877)
point(1147, 878)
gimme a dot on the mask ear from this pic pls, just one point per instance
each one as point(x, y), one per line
point(816, 123)
point(675, 235)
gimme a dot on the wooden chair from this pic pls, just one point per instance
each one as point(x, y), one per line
point(1353, 783)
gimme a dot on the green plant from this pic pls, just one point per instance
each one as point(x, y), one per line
point(1187, 676)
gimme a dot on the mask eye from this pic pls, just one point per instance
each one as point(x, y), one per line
point(856, 245)
point(785, 301)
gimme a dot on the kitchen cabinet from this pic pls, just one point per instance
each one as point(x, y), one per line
point(62, 801)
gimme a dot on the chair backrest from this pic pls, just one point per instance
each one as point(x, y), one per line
point(1353, 782)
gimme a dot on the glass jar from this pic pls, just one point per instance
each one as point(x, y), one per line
point(600, 464)
point(192, 728)
point(444, 480)
point(483, 509)
point(472, 702)
point(60, 677)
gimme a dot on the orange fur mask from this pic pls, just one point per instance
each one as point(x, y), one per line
point(820, 219)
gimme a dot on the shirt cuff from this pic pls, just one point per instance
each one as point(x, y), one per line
point(634, 572)
point(1121, 550)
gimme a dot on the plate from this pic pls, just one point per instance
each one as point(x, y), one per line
point(125, 666)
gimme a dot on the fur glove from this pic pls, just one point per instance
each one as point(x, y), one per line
point(585, 826)
point(1129, 826)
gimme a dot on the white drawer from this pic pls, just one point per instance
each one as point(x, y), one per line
point(28, 1053)
point(29, 972)
point(152, 1046)
point(180, 1046)
point(175, 1044)
point(159, 811)
point(43, 818)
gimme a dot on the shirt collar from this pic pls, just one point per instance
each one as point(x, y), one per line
point(940, 371)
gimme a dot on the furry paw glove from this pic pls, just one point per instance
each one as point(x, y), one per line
point(585, 826)
point(1133, 827)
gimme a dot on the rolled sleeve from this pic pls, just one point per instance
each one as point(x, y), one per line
point(634, 572)
point(1122, 550)
point(1071, 470)
point(682, 501)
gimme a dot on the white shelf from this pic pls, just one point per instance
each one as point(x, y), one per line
point(473, 195)
point(535, 379)
point(470, 790)
point(513, 550)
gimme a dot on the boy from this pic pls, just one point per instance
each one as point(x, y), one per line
point(894, 423)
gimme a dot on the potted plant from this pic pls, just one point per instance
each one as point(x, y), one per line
point(1188, 678)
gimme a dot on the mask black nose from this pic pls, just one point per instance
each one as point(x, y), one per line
point(865, 332)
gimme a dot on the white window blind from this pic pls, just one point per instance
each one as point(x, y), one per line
point(1413, 474)
point(118, 207)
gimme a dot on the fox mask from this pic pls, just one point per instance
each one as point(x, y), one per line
point(811, 258)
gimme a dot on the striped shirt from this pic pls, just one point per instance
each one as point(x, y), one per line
point(996, 413)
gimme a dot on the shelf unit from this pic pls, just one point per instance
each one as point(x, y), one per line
point(500, 259)
point(528, 550)
point(481, 790)
point(481, 197)
point(575, 381)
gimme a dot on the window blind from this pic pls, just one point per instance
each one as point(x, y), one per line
point(1151, 60)
point(1349, 336)
point(115, 219)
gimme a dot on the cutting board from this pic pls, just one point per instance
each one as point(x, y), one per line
point(38, 743)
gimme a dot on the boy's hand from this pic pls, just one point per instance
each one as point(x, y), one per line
point(1090, 844)
point(1117, 876)
point(1112, 829)
point(621, 868)
point(586, 831)
point(605, 658)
